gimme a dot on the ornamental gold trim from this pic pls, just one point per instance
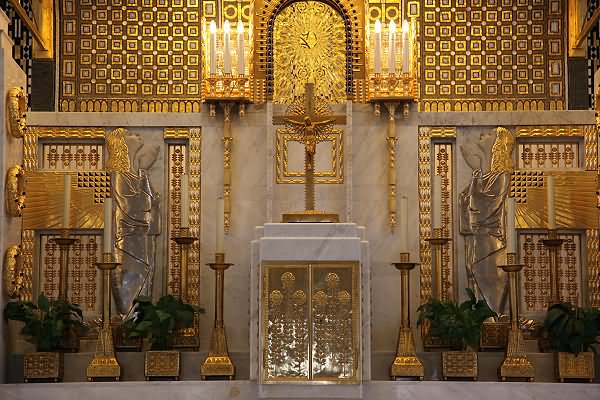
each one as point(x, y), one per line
point(12, 274)
point(16, 107)
point(14, 191)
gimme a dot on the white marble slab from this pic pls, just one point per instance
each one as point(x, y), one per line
point(248, 390)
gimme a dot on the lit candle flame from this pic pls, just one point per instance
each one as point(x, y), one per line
point(392, 26)
point(378, 26)
point(240, 27)
point(213, 27)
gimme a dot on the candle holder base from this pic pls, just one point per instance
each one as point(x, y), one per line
point(406, 364)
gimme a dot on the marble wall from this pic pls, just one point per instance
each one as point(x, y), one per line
point(257, 199)
point(11, 151)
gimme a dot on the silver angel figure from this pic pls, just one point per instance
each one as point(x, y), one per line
point(136, 215)
point(482, 215)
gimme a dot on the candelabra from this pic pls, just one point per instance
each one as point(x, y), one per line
point(406, 363)
point(104, 365)
point(553, 243)
point(515, 364)
point(186, 338)
point(218, 363)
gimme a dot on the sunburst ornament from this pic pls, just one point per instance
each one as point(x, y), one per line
point(309, 46)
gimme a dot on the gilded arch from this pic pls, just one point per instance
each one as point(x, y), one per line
point(352, 13)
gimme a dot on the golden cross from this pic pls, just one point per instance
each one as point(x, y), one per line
point(311, 127)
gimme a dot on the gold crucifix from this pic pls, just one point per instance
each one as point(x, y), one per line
point(312, 124)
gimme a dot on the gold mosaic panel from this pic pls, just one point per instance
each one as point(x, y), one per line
point(535, 282)
point(311, 323)
point(492, 55)
point(336, 158)
point(427, 166)
point(130, 55)
point(83, 278)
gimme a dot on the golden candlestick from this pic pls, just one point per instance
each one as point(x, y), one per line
point(554, 243)
point(104, 365)
point(187, 338)
point(515, 364)
point(64, 242)
point(438, 241)
point(218, 363)
point(406, 363)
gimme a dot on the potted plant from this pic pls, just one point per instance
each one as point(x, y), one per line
point(573, 332)
point(159, 323)
point(45, 325)
point(459, 326)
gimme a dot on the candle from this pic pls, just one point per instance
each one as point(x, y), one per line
point(436, 202)
point(107, 243)
point(67, 202)
point(185, 201)
point(404, 224)
point(405, 48)
point(241, 55)
point(213, 47)
point(220, 225)
point(551, 207)
point(392, 48)
point(377, 54)
point(226, 48)
point(511, 234)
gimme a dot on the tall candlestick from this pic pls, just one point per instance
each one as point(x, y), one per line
point(240, 42)
point(551, 206)
point(511, 234)
point(67, 202)
point(405, 48)
point(377, 52)
point(392, 48)
point(404, 224)
point(226, 48)
point(213, 47)
point(436, 202)
point(220, 225)
point(185, 201)
point(107, 243)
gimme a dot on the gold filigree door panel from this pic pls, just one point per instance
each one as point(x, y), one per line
point(310, 323)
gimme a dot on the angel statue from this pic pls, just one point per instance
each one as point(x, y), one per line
point(482, 214)
point(136, 215)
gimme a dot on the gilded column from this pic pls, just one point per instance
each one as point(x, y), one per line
point(227, 145)
point(391, 142)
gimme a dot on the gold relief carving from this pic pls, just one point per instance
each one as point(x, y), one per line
point(286, 175)
point(177, 167)
point(472, 55)
point(443, 160)
point(551, 131)
point(309, 35)
point(70, 156)
point(15, 191)
point(27, 246)
point(590, 135)
point(13, 275)
point(44, 201)
point(580, 366)
point(176, 133)
point(83, 275)
point(575, 198)
point(536, 282)
point(130, 59)
point(16, 106)
point(593, 266)
point(559, 155)
point(354, 68)
point(311, 317)
point(70, 133)
point(43, 366)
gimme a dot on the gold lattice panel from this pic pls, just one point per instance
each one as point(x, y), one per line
point(492, 55)
point(83, 278)
point(329, 163)
point(443, 166)
point(535, 280)
point(310, 323)
point(72, 156)
point(130, 55)
point(557, 155)
point(177, 167)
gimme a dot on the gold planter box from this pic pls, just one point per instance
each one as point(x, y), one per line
point(45, 366)
point(162, 364)
point(459, 364)
point(576, 367)
point(494, 335)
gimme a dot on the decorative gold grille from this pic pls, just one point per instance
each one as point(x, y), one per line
point(536, 282)
point(69, 156)
point(443, 162)
point(548, 155)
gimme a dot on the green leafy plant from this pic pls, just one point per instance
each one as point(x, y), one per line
point(457, 325)
point(572, 329)
point(45, 322)
point(159, 322)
